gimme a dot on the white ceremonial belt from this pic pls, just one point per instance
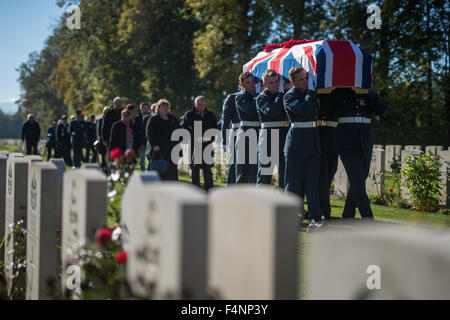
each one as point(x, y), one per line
point(250, 124)
point(325, 123)
point(235, 125)
point(307, 124)
point(274, 124)
point(354, 120)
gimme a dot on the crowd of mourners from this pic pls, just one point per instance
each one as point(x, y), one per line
point(313, 130)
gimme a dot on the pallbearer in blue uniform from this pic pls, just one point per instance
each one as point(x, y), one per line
point(302, 148)
point(269, 105)
point(247, 136)
point(354, 144)
point(329, 157)
point(230, 121)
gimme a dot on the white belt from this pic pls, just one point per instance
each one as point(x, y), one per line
point(307, 124)
point(354, 120)
point(274, 124)
point(326, 123)
point(250, 124)
point(235, 125)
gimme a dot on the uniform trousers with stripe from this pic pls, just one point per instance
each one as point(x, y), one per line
point(302, 177)
point(357, 165)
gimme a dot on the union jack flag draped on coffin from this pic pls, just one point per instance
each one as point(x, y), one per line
point(329, 63)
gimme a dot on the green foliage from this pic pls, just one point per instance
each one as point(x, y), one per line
point(18, 234)
point(422, 180)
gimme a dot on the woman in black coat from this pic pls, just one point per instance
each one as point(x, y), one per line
point(159, 132)
point(119, 137)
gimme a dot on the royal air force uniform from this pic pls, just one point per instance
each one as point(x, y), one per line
point(273, 117)
point(230, 120)
point(327, 123)
point(302, 148)
point(246, 172)
point(354, 144)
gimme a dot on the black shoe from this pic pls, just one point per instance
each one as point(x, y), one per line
point(313, 226)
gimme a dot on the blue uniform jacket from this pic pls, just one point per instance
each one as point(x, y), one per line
point(246, 107)
point(301, 106)
point(229, 115)
point(356, 136)
point(78, 132)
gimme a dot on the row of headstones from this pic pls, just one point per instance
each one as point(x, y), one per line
point(241, 241)
point(378, 167)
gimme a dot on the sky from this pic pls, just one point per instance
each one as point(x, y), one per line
point(24, 27)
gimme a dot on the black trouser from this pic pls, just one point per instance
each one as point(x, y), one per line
point(171, 173)
point(94, 154)
point(49, 151)
point(265, 142)
point(231, 175)
point(207, 176)
point(301, 177)
point(357, 165)
point(246, 172)
point(32, 147)
point(328, 167)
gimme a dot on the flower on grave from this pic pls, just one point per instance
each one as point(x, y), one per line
point(58, 230)
point(130, 154)
point(390, 190)
point(121, 257)
point(103, 236)
point(115, 154)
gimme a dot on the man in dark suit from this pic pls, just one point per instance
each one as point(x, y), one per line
point(208, 120)
point(302, 148)
point(31, 132)
point(78, 136)
point(354, 144)
point(247, 135)
point(63, 145)
point(230, 120)
point(92, 136)
point(51, 140)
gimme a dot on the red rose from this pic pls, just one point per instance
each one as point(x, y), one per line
point(115, 154)
point(130, 154)
point(390, 190)
point(103, 236)
point(121, 257)
point(58, 230)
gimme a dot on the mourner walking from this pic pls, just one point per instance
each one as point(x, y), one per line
point(31, 132)
point(51, 141)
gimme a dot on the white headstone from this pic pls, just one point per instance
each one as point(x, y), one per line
point(16, 208)
point(3, 165)
point(15, 155)
point(252, 243)
point(168, 247)
point(5, 153)
point(43, 208)
point(392, 152)
point(379, 263)
point(414, 147)
point(341, 182)
point(375, 181)
point(61, 167)
point(84, 211)
point(95, 166)
point(378, 146)
point(434, 149)
point(445, 179)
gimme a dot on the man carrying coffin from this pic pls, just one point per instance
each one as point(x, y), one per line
point(269, 105)
point(354, 144)
point(247, 136)
point(230, 120)
point(302, 148)
point(329, 156)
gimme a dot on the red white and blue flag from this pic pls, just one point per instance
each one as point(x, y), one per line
point(330, 63)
